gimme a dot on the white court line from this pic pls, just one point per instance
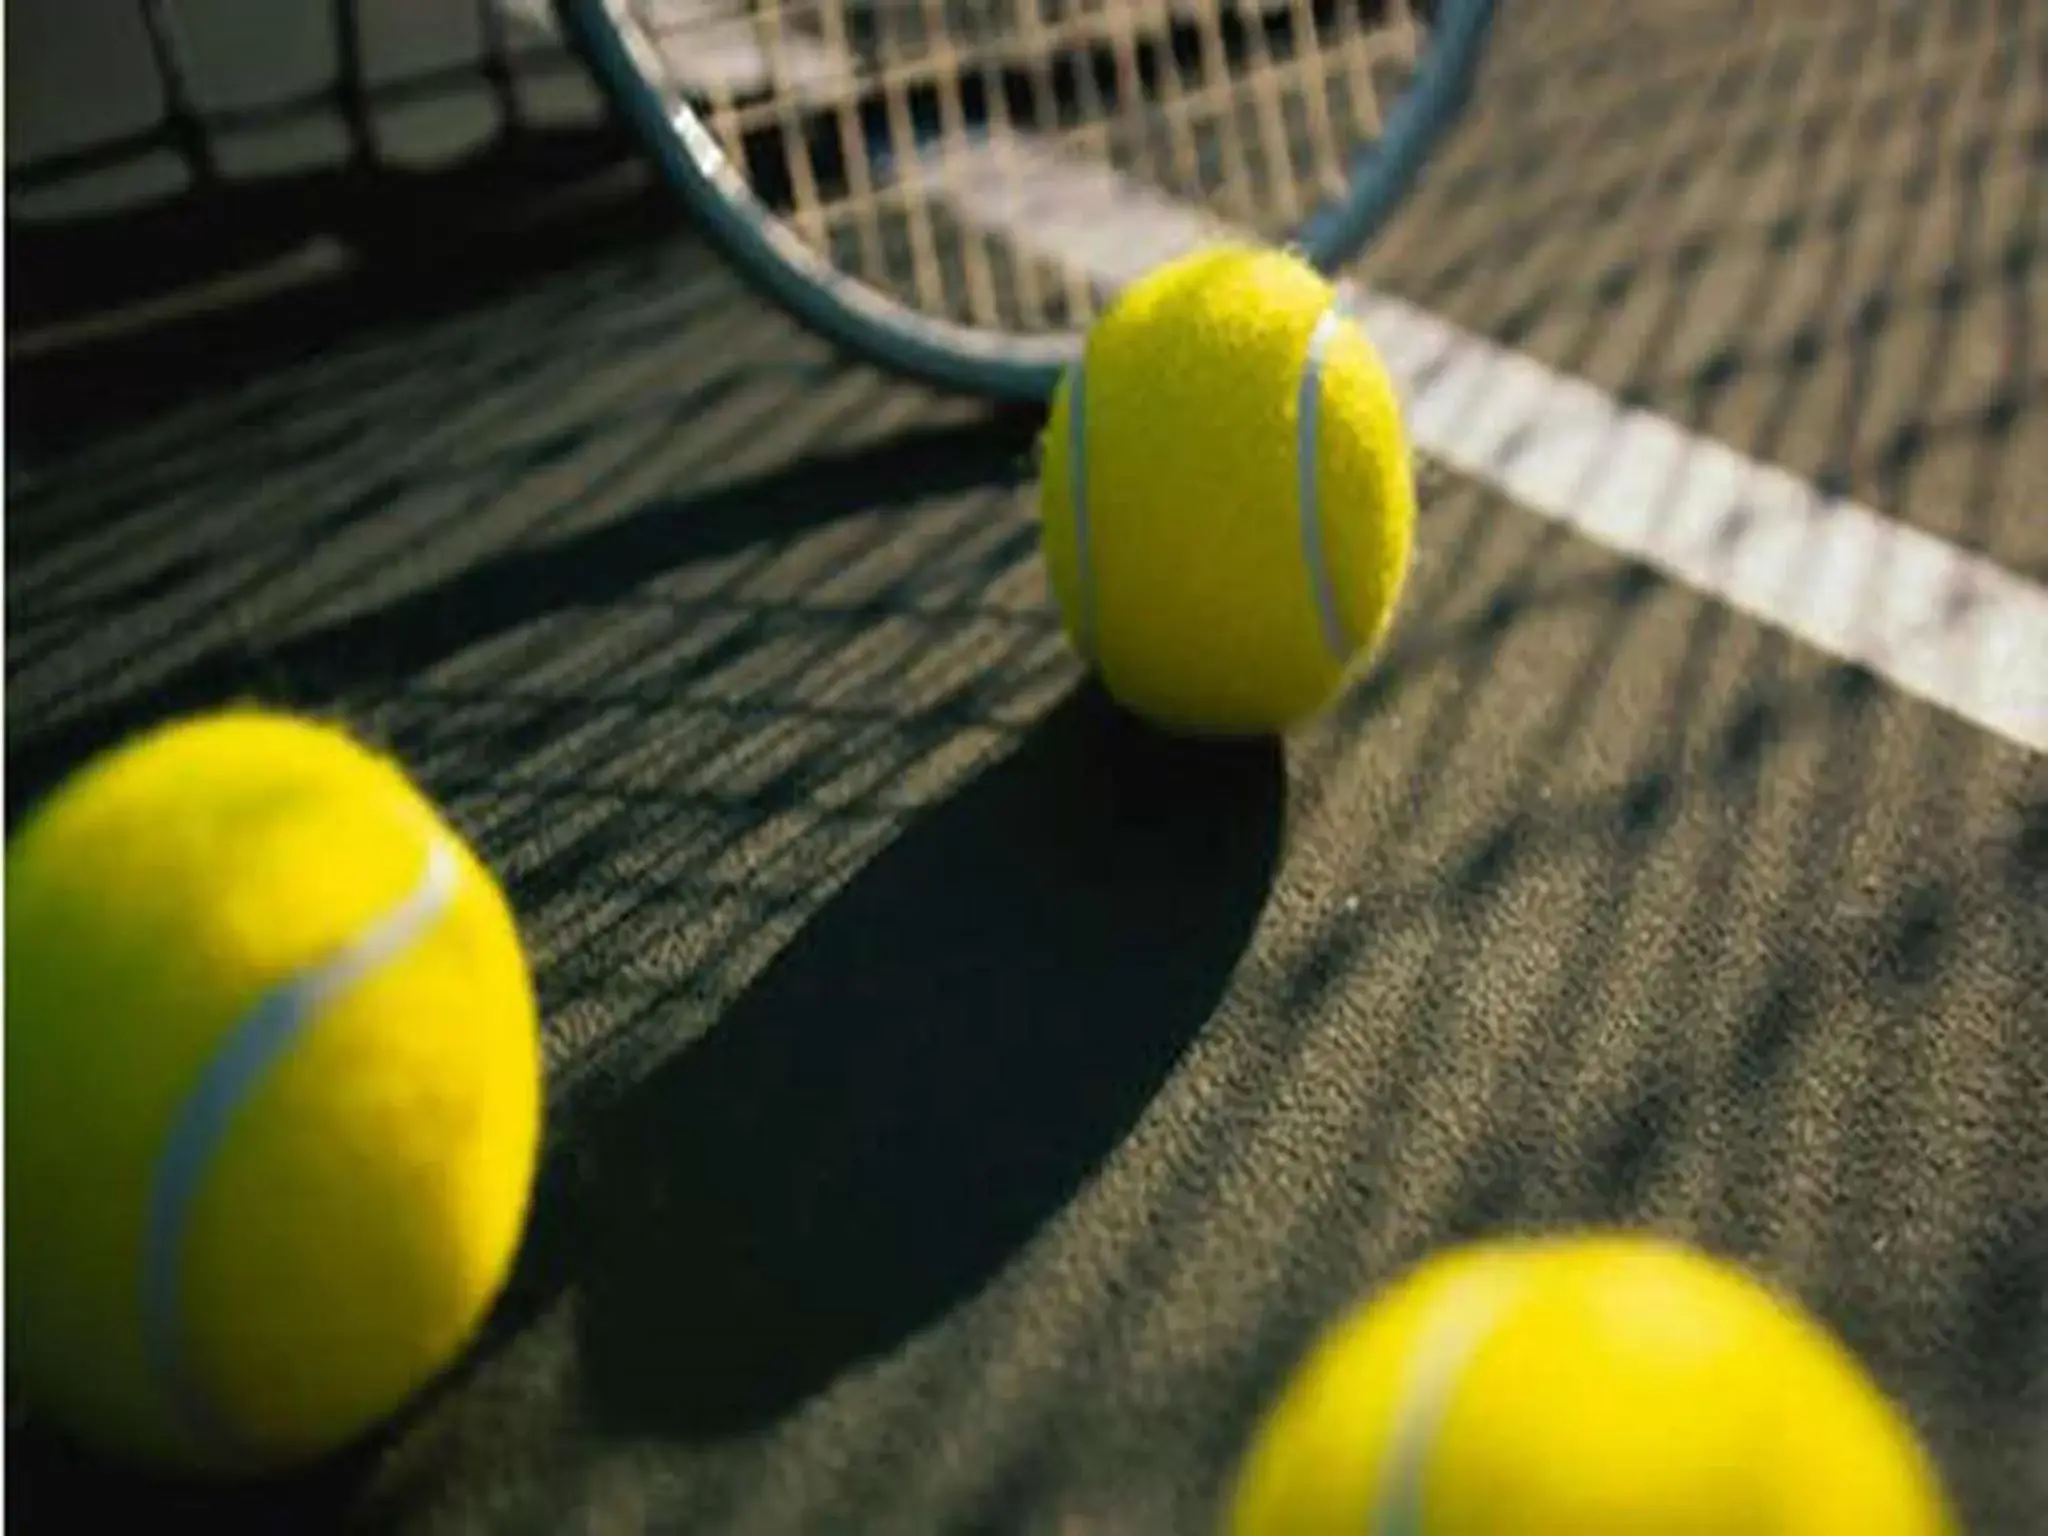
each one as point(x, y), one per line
point(1944, 625)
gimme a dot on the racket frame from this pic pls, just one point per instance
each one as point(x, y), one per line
point(867, 323)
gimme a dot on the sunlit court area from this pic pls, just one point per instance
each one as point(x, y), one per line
point(738, 803)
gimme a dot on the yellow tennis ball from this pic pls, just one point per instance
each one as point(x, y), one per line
point(1228, 502)
point(1584, 1386)
point(273, 1094)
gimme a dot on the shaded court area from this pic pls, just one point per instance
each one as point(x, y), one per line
point(966, 1106)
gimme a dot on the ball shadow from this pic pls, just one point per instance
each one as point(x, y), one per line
point(928, 1072)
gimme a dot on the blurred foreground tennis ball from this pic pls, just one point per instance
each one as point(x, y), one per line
point(1228, 503)
point(1584, 1386)
point(273, 1095)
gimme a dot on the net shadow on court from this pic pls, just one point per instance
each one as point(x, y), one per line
point(928, 1043)
point(1817, 241)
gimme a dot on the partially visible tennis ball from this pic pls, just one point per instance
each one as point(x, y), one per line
point(273, 1095)
point(1584, 1386)
point(1228, 503)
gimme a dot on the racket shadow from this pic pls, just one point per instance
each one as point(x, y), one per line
point(924, 1077)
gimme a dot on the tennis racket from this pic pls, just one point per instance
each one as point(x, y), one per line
point(953, 189)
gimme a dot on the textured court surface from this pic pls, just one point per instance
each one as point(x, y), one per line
point(1064, 1081)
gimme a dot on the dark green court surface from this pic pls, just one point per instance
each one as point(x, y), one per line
point(966, 1105)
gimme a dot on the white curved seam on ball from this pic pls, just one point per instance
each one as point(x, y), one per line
point(257, 1040)
point(1077, 496)
point(1446, 1348)
point(1308, 487)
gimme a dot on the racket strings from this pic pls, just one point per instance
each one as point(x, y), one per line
point(907, 140)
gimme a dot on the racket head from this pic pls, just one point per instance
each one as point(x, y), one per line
point(952, 189)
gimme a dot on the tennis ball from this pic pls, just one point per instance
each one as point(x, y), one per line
point(1583, 1386)
point(1227, 499)
point(273, 1095)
